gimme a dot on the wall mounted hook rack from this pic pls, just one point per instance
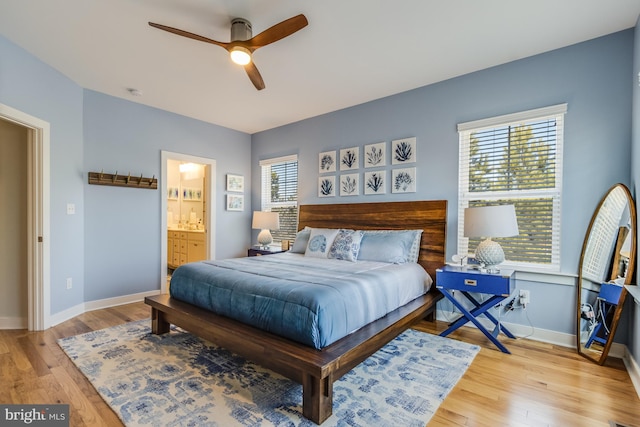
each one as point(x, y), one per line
point(101, 178)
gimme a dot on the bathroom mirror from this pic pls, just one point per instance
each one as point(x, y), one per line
point(607, 263)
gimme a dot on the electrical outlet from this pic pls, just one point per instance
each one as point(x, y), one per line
point(525, 298)
point(69, 283)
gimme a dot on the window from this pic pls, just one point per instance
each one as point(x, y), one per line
point(280, 194)
point(516, 159)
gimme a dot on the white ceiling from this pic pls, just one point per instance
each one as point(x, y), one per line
point(352, 51)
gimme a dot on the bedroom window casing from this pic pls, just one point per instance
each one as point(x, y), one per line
point(280, 194)
point(516, 159)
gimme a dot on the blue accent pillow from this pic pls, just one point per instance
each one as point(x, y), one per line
point(301, 242)
point(395, 246)
point(346, 245)
point(320, 241)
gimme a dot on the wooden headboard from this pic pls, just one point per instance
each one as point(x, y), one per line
point(429, 216)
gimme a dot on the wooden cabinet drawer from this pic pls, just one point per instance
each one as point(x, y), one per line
point(196, 237)
point(461, 279)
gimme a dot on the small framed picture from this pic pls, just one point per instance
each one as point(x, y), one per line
point(326, 186)
point(403, 180)
point(191, 194)
point(327, 162)
point(235, 202)
point(403, 151)
point(173, 193)
point(375, 155)
point(235, 183)
point(349, 185)
point(349, 158)
point(375, 182)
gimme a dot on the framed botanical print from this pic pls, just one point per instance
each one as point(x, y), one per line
point(375, 155)
point(326, 186)
point(375, 182)
point(349, 158)
point(403, 180)
point(327, 162)
point(349, 185)
point(403, 151)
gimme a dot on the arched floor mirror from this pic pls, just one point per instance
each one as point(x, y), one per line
point(607, 263)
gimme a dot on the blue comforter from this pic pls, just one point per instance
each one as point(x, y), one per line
point(310, 300)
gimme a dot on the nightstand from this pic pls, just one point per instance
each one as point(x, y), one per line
point(258, 251)
point(498, 286)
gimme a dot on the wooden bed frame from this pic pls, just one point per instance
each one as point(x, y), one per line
point(316, 369)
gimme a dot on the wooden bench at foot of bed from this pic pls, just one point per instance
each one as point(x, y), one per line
point(315, 369)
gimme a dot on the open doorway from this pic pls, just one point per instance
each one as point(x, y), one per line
point(188, 211)
point(38, 215)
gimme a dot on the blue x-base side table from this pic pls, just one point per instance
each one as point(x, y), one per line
point(467, 280)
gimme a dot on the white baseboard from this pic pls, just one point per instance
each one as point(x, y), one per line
point(65, 315)
point(633, 368)
point(99, 304)
point(521, 331)
point(113, 302)
point(13, 323)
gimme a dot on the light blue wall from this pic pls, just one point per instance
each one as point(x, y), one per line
point(111, 247)
point(592, 77)
point(122, 225)
point(34, 88)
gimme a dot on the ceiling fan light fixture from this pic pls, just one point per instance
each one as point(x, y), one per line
point(240, 55)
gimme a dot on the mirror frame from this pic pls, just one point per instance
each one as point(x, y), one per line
point(628, 277)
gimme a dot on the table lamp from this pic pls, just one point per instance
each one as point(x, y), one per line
point(488, 222)
point(265, 221)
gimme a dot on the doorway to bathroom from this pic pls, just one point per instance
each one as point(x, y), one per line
point(188, 211)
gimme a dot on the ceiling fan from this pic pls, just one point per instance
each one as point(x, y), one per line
point(242, 44)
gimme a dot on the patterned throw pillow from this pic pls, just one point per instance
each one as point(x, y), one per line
point(346, 245)
point(320, 242)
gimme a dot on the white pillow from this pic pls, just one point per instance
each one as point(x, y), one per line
point(396, 246)
point(320, 241)
point(301, 242)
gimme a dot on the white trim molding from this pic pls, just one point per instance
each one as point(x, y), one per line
point(522, 331)
point(38, 216)
point(79, 309)
point(633, 368)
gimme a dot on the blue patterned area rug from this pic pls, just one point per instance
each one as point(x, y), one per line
point(181, 380)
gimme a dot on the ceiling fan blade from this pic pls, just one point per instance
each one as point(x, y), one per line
point(254, 75)
point(277, 32)
point(188, 34)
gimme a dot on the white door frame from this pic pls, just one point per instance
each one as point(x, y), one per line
point(210, 164)
point(38, 216)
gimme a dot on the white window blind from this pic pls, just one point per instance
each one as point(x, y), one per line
point(280, 194)
point(516, 159)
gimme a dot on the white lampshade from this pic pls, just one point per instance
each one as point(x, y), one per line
point(490, 221)
point(265, 221)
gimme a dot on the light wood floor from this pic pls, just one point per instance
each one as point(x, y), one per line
point(538, 385)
